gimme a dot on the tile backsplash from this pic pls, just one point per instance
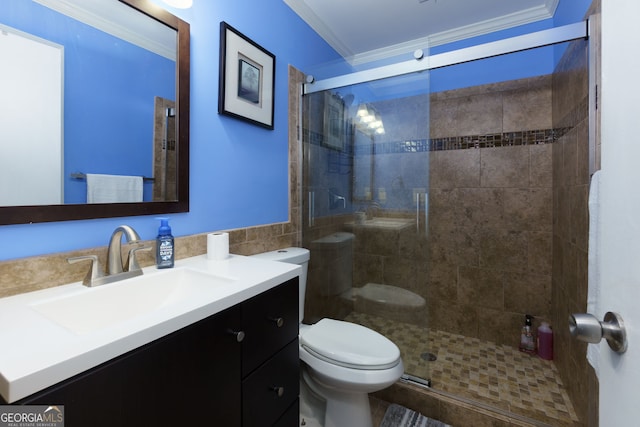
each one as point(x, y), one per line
point(33, 273)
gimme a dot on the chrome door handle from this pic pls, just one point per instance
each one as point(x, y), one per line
point(586, 327)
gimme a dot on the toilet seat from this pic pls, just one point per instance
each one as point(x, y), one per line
point(349, 345)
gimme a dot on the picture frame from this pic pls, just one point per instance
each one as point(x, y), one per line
point(334, 122)
point(246, 80)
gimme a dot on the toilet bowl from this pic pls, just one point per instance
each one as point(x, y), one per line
point(342, 361)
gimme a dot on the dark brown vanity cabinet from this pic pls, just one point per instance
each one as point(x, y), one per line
point(270, 356)
point(203, 374)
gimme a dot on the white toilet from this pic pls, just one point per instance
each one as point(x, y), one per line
point(343, 361)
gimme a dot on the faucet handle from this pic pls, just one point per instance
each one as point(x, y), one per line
point(132, 261)
point(95, 270)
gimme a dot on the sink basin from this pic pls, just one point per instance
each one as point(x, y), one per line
point(91, 309)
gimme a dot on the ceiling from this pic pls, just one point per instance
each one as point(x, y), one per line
point(366, 30)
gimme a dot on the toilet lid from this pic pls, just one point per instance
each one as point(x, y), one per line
point(350, 345)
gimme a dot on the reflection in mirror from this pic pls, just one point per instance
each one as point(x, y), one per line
point(164, 150)
point(96, 87)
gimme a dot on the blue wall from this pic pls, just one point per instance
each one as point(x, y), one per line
point(239, 172)
point(530, 63)
point(570, 11)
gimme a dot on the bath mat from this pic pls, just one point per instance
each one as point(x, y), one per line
point(399, 416)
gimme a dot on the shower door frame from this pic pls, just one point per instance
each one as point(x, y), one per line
point(565, 33)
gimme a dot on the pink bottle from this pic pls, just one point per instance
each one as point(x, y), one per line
point(545, 341)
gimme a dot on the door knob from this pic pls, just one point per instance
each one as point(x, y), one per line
point(586, 327)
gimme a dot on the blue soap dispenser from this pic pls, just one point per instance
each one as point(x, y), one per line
point(164, 245)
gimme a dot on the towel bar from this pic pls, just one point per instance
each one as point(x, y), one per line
point(80, 175)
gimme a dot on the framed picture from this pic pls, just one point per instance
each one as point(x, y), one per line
point(247, 78)
point(334, 122)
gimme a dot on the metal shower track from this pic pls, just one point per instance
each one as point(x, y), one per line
point(579, 30)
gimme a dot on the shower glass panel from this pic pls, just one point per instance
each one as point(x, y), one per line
point(496, 150)
point(366, 180)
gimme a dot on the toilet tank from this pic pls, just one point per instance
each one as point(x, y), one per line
point(333, 263)
point(293, 255)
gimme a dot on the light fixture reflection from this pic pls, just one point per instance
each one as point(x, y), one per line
point(362, 111)
point(179, 4)
point(369, 120)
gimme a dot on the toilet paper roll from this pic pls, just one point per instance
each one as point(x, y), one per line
point(217, 246)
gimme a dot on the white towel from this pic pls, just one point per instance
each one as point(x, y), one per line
point(593, 295)
point(113, 188)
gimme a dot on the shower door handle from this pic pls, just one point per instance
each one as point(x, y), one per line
point(312, 208)
point(426, 213)
point(417, 212)
point(426, 210)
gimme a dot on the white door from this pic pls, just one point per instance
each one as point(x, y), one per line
point(620, 208)
point(30, 120)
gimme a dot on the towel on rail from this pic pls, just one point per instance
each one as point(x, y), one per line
point(113, 188)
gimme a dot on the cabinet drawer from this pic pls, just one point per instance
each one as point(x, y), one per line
point(271, 389)
point(270, 321)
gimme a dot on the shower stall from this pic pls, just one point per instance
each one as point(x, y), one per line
point(431, 213)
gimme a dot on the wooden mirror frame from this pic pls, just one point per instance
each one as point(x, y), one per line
point(62, 212)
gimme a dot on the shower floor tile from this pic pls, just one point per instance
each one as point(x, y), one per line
point(491, 374)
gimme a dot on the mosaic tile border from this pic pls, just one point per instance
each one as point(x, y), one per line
point(504, 139)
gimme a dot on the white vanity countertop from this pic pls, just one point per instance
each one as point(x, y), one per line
point(36, 352)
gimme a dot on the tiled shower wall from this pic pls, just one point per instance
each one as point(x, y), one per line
point(490, 217)
point(489, 239)
point(571, 178)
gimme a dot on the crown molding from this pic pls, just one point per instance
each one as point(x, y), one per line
point(308, 16)
point(120, 21)
point(552, 5)
point(527, 16)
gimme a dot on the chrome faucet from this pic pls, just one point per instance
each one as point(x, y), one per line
point(372, 210)
point(115, 268)
point(114, 253)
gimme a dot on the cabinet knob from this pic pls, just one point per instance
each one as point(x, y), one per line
point(278, 390)
point(279, 321)
point(238, 334)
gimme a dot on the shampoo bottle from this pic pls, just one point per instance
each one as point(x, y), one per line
point(545, 341)
point(164, 245)
point(527, 343)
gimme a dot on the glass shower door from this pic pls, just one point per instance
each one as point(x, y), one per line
point(366, 178)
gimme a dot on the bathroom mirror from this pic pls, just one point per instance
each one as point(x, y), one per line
point(174, 103)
